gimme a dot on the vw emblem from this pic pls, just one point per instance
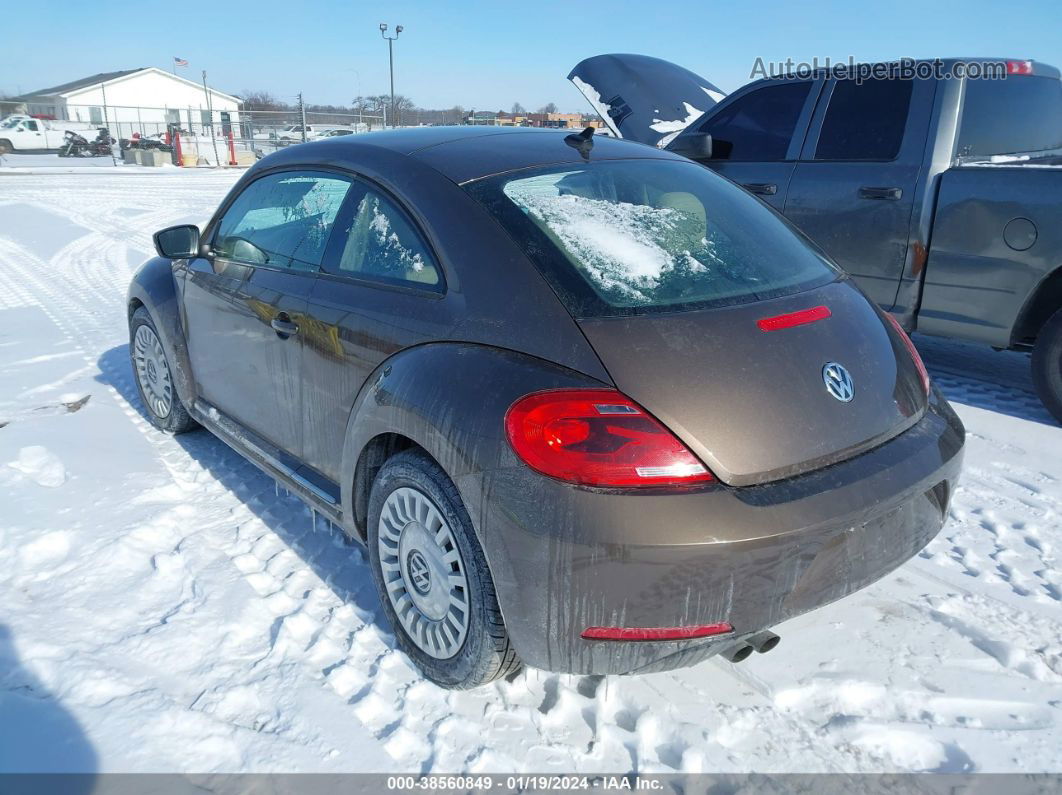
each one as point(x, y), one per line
point(419, 572)
point(838, 381)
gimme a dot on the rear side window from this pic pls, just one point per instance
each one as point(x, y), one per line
point(282, 220)
point(758, 126)
point(636, 236)
point(382, 244)
point(865, 121)
point(1017, 114)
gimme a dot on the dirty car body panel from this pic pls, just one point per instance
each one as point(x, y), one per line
point(810, 499)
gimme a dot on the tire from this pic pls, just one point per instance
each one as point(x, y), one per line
point(5, 146)
point(1047, 365)
point(154, 378)
point(422, 505)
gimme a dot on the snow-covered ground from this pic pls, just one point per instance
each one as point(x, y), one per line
point(163, 608)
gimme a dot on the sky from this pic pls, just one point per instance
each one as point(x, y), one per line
point(487, 55)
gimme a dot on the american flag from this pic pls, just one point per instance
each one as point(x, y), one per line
point(179, 61)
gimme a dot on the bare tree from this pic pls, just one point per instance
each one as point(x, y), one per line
point(405, 110)
point(549, 107)
point(261, 100)
point(518, 109)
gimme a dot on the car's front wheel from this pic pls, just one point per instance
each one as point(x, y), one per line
point(432, 576)
point(1047, 365)
point(154, 377)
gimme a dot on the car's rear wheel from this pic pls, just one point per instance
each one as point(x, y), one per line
point(432, 576)
point(154, 377)
point(1047, 365)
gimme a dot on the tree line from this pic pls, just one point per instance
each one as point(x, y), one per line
point(406, 111)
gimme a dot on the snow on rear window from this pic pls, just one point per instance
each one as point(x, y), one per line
point(645, 234)
point(623, 247)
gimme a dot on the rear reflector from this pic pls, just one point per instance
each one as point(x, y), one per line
point(599, 437)
point(800, 318)
point(656, 633)
point(1019, 67)
point(923, 373)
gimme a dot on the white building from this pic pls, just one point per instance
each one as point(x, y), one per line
point(146, 99)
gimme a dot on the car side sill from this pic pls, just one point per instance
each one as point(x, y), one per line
point(313, 489)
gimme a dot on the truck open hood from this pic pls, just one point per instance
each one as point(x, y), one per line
point(753, 405)
point(641, 98)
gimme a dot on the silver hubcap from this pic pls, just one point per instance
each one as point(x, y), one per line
point(423, 572)
point(152, 372)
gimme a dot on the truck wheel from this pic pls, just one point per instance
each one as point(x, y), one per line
point(1047, 365)
point(5, 146)
point(432, 576)
point(154, 379)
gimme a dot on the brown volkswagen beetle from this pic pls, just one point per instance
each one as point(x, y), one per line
point(591, 407)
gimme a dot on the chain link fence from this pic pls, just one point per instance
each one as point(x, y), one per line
point(216, 136)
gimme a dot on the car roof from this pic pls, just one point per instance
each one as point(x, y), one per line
point(468, 153)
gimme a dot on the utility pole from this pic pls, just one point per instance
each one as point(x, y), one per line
point(107, 122)
point(302, 117)
point(210, 114)
point(391, 60)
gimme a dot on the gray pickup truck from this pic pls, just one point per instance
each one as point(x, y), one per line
point(941, 195)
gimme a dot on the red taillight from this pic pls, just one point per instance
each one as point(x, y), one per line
point(923, 373)
point(800, 318)
point(656, 633)
point(598, 437)
point(1019, 67)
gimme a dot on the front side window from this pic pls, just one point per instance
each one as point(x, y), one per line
point(1019, 114)
point(282, 220)
point(634, 236)
point(865, 120)
point(382, 244)
point(758, 126)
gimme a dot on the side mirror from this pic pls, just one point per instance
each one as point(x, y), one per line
point(695, 146)
point(178, 242)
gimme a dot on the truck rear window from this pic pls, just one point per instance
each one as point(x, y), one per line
point(1015, 115)
point(635, 236)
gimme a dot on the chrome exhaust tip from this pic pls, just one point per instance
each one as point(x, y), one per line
point(737, 652)
point(764, 641)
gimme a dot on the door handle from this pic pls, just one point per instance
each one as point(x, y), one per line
point(893, 194)
point(761, 188)
point(283, 326)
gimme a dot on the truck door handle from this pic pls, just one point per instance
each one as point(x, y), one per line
point(762, 188)
point(283, 326)
point(893, 194)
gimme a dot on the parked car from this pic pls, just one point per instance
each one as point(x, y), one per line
point(335, 132)
point(24, 133)
point(294, 132)
point(592, 407)
point(940, 196)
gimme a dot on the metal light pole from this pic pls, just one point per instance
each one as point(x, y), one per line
point(391, 59)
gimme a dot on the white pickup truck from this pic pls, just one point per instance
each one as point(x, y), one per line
point(23, 133)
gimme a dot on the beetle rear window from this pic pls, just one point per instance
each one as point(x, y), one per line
point(632, 236)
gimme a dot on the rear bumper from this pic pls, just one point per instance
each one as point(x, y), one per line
point(564, 558)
